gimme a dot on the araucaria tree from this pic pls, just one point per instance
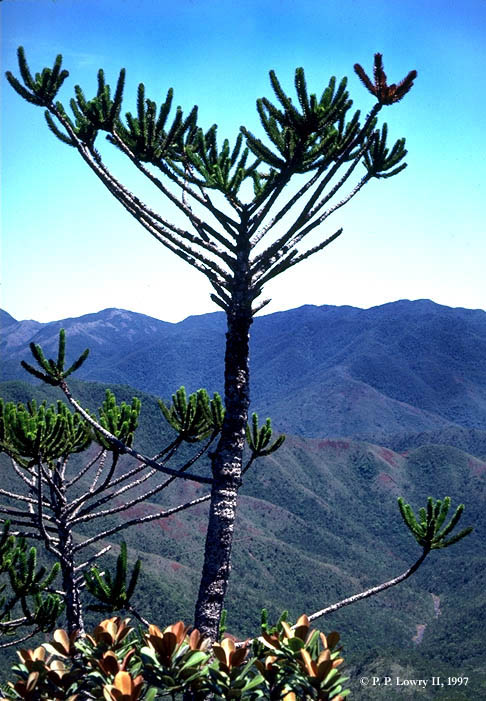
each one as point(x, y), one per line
point(248, 209)
point(53, 499)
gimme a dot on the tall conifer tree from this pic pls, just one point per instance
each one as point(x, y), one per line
point(242, 228)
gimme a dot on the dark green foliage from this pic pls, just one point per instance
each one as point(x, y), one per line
point(311, 136)
point(90, 116)
point(149, 137)
point(258, 439)
point(30, 433)
point(266, 628)
point(112, 592)
point(25, 578)
point(119, 420)
point(224, 170)
point(27, 584)
point(427, 528)
point(308, 139)
point(47, 611)
point(42, 89)
point(222, 625)
point(379, 159)
point(195, 417)
point(101, 111)
point(54, 372)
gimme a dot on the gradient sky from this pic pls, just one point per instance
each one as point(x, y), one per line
point(68, 248)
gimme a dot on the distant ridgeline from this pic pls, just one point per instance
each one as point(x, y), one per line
point(397, 369)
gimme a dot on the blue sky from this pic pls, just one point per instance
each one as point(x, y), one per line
point(69, 249)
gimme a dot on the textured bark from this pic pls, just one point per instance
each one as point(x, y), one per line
point(228, 456)
point(74, 613)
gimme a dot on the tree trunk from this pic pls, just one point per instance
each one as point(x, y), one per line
point(74, 613)
point(227, 458)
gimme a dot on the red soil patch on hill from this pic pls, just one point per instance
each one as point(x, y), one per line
point(385, 480)
point(337, 445)
point(173, 526)
point(388, 456)
point(477, 467)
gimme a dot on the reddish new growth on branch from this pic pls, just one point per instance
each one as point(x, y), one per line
point(385, 94)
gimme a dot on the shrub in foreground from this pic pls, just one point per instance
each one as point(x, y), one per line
point(119, 663)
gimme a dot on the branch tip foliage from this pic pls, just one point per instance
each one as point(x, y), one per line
point(428, 527)
point(113, 593)
point(384, 93)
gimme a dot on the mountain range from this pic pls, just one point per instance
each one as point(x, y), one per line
point(381, 402)
point(396, 369)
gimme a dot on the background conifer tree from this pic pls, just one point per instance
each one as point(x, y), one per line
point(51, 499)
point(24, 590)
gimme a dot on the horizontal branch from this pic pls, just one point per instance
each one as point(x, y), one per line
point(18, 497)
point(358, 597)
point(20, 640)
point(141, 519)
point(124, 449)
point(74, 507)
point(86, 515)
point(15, 622)
point(371, 592)
point(31, 517)
point(92, 559)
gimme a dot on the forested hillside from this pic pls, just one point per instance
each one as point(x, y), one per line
point(318, 522)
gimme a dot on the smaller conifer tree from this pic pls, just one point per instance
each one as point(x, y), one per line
point(58, 498)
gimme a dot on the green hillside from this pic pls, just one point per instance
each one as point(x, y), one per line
point(318, 521)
